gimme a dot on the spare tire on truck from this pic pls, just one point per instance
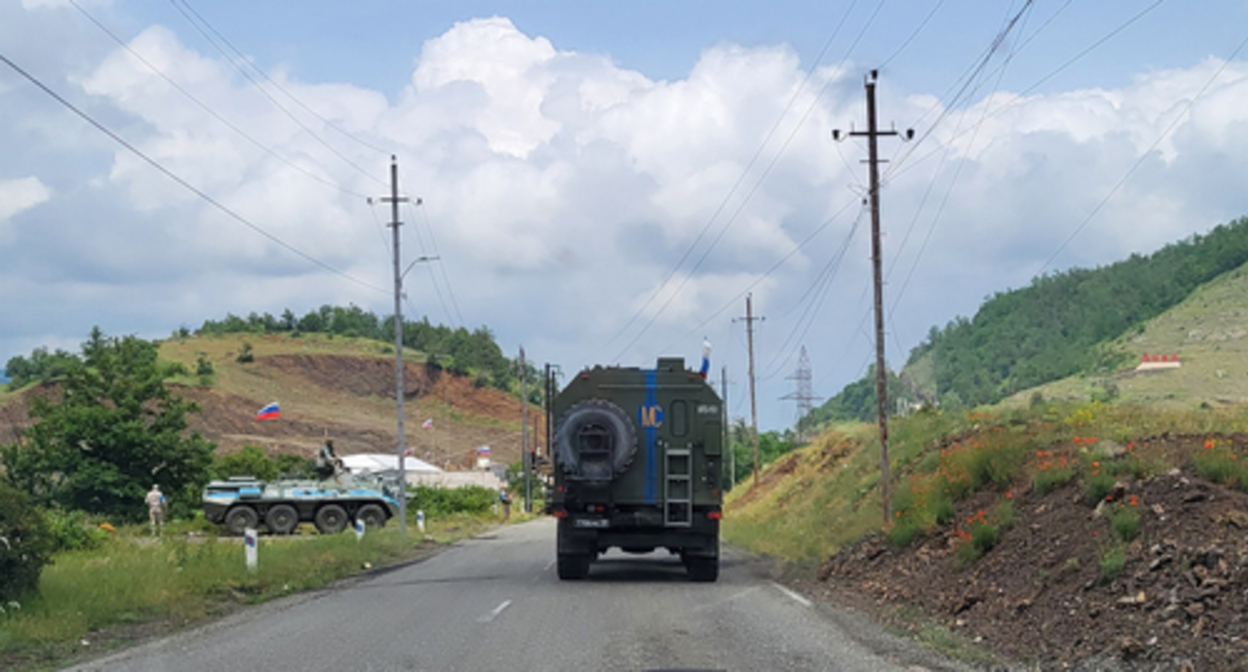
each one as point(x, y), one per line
point(595, 441)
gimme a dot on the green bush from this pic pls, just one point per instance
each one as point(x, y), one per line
point(473, 499)
point(1126, 522)
point(26, 544)
point(72, 530)
point(1219, 463)
point(250, 461)
point(1047, 480)
point(1112, 561)
point(1097, 484)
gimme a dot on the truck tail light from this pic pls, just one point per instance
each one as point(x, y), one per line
point(560, 513)
point(714, 515)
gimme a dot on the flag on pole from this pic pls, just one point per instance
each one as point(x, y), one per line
point(428, 424)
point(706, 359)
point(483, 451)
point(269, 412)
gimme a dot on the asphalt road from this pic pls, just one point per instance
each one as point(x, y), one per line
point(495, 603)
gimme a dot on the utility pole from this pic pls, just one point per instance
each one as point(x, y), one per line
point(524, 435)
point(394, 199)
point(749, 332)
point(881, 381)
point(727, 434)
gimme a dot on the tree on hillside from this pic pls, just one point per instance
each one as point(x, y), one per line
point(115, 431)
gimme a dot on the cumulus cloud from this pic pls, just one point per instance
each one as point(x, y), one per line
point(563, 189)
point(19, 195)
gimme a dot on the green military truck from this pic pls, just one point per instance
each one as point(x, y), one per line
point(637, 459)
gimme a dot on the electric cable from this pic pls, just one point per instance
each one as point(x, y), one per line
point(281, 88)
point(187, 185)
point(270, 97)
point(1145, 155)
point(206, 108)
point(745, 201)
point(736, 185)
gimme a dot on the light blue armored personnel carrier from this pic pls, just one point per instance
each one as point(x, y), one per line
point(244, 502)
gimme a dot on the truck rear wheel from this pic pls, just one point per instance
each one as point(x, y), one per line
point(240, 519)
point(331, 519)
point(281, 519)
point(573, 567)
point(702, 569)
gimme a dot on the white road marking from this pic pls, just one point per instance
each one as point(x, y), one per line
point(726, 600)
point(494, 614)
point(796, 598)
point(548, 566)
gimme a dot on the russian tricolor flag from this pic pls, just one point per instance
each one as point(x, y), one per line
point(706, 359)
point(269, 412)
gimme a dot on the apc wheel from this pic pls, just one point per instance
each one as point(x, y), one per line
point(702, 569)
point(573, 567)
point(372, 516)
point(281, 519)
point(331, 519)
point(240, 519)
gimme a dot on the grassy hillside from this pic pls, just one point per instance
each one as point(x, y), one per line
point(329, 386)
point(1051, 329)
point(1208, 330)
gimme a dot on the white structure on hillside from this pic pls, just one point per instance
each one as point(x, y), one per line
point(420, 472)
point(363, 463)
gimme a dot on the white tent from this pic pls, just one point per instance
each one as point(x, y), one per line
point(362, 463)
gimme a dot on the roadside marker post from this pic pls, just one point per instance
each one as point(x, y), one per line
point(420, 520)
point(249, 548)
point(359, 529)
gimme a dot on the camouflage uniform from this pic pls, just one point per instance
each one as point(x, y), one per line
point(156, 508)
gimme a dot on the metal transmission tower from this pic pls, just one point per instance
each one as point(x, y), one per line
point(881, 390)
point(804, 394)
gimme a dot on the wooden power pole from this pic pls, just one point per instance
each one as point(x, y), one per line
point(881, 381)
point(394, 199)
point(749, 332)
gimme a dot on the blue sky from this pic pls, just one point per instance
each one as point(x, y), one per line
point(577, 159)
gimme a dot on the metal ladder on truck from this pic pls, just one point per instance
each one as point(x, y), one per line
point(678, 487)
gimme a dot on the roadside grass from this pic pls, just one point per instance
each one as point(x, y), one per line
point(830, 497)
point(940, 638)
point(131, 580)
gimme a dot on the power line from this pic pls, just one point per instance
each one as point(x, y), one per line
point(187, 185)
point(824, 281)
point(917, 30)
point(797, 248)
point(899, 166)
point(953, 183)
point(281, 88)
point(208, 109)
point(446, 279)
point(261, 89)
point(736, 185)
point(758, 184)
point(1145, 155)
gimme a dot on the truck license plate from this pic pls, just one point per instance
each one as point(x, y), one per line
point(592, 522)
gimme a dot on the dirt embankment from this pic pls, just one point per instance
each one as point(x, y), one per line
point(1180, 602)
point(349, 399)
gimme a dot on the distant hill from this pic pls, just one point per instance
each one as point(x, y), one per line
point(1058, 326)
point(328, 386)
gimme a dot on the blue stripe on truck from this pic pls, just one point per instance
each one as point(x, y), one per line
point(650, 431)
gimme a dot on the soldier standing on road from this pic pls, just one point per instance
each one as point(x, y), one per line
point(156, 509)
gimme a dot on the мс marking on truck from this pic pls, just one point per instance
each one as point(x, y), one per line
point(637, 463)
